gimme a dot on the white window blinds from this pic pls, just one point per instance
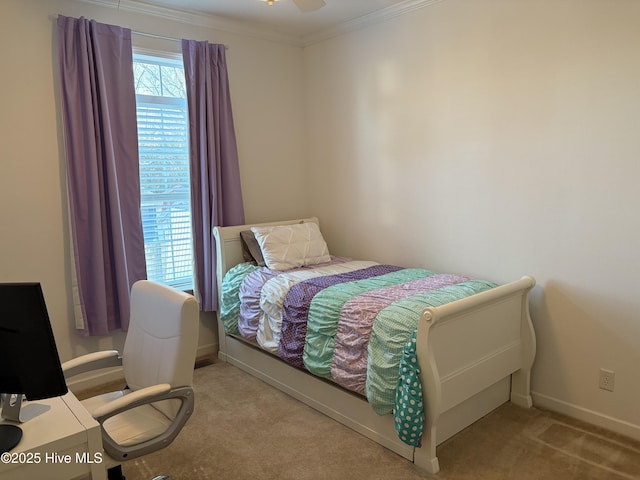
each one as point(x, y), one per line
point(163, 145)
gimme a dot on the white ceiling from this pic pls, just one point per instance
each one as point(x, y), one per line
point(283, 18)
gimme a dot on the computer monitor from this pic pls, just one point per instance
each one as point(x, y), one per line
point(29, 361)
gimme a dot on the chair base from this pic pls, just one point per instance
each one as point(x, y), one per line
point(115, 473)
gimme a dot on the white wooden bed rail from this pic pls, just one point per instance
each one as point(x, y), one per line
point(475, 354)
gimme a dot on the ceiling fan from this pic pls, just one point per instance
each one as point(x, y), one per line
point(303, 5)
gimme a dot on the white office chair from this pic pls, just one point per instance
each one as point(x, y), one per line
point(158, 361)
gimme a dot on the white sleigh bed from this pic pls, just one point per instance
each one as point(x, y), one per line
point(474, 354)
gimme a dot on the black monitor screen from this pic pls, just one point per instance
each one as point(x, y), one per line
point(29, 362)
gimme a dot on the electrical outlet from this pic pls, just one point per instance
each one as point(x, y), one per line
point(607, 379)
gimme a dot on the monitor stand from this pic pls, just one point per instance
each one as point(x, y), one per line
point(12, 408)
point(10, 436)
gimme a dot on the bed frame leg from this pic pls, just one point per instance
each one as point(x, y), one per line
point(520, 388)
point(425, 456)
point(429, 465)
point(521, 379)
point(222, 338)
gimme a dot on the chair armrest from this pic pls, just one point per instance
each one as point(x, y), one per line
point(143, 396)
point(131, 400)
point(90, 362)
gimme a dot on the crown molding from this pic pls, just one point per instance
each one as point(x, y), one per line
point(373, 18)
point(198, 19)
point(231, 26)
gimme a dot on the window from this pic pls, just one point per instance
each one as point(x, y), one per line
point(163, 146)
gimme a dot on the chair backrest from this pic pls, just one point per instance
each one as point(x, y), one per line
point(162, 340)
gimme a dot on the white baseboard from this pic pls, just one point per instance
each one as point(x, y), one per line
point(95, 379)
point(590, 416)
point(209, 350)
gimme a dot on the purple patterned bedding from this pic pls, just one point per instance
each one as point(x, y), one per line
point(334, 318)
point(348, 321)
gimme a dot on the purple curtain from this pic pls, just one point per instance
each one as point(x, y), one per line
point(101, 140)
point(216, 195)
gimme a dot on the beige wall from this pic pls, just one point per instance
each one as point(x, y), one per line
point(498, 138)
point(267, 92)
point(493, 138)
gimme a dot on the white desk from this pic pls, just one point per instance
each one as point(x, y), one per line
point(61, 444)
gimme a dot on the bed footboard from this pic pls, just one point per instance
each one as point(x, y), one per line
point(469, 349)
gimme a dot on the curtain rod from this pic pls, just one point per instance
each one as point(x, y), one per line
point(145, 34)
point(153, 35)
point(162, 37)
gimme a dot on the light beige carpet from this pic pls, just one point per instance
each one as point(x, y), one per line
point(244, 429)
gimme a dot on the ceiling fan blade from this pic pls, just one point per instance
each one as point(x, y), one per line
point(309, 5)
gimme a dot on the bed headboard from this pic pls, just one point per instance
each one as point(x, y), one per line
point(228, 255)
point(229, 247)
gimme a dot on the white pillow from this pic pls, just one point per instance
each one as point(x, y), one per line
point(291, 246)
